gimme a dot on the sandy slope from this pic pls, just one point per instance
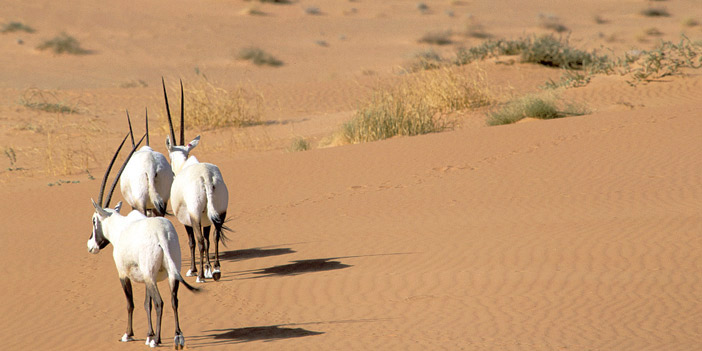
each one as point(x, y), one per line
point(571, 234)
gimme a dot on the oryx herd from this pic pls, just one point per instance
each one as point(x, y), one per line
point(146, 245)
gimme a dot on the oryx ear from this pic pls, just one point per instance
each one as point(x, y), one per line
point(169, 144)
point(118, 207)
point(191, 145)
point(99, 210)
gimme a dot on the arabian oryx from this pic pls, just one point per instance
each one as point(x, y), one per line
point(147, 179)
point(146, 250)
point(199, 198)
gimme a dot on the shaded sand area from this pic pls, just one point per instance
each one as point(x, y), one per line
point(580, 233)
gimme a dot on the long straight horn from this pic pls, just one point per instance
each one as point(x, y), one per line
point(168, 111)
point(147, 127)
point(182, 115)
point(130, 127)
point(109, 168)
point(119, 174)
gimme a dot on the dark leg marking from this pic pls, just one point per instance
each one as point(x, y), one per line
point(191, 242)
point(127, 287)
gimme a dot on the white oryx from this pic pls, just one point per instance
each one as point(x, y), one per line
point(147, 179)
point(199, 198)
point(146, 250)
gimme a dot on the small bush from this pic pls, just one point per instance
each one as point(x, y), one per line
point(259, 57)
point(63, 44)
point(16, 27)
point(655, 12)
point(299, 144)
point(552, 52)
point(534, 106)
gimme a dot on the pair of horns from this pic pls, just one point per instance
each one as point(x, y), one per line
point(109, 168)
point(129, 121)
point(182, 114)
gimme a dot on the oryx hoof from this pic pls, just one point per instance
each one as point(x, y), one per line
point(217, 274)
point(191, 273)
point(151, 341)
point(208, 273)
point(179, 342)
point(200, 280)
point(126, 338)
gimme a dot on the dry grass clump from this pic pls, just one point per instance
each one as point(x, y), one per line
point(63, 44)
point(208, 106)
point(666, 59)
point(552, 22)
point(299, 144)
point(541, 106)
point(46, 101)
point(417, 105)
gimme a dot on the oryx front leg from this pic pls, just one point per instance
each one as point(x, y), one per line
point(208, 269)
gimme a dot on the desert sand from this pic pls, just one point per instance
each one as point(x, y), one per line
point(581, 233)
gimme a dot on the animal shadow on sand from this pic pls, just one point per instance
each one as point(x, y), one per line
point(258, 252)
point(242, 335)
point(301, 266)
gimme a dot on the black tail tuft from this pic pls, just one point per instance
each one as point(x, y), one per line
point(220, 228)
point(190, 287)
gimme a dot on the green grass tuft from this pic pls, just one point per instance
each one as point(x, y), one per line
point(534, 106)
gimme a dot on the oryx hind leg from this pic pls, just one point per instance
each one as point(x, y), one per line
point(219, 235)
point(191, 241)
point(152, 294)
point(179, 339)
point(127, 287)
point(208, 265)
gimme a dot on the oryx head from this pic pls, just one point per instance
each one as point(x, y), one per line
point(178, 153)
point(98, 238)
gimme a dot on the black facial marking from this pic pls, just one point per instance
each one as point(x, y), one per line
point(99, 236)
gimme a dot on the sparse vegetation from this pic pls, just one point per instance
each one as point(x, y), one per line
point(210, 107)
point(426, 60)
point(313, 10)
point(16, 27)
point(63, 44)
point(417, 105)
point(552, 22)
point(535, 106)
point(46, 101)
point(259, 57)
point(655, 12)
point(665, 60)
point(299, 144)
point(437, 38)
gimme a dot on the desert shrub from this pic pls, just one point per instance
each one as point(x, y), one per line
point(666, 59)
point(553, 52)
point(535, 106)
point(416, 105)
point(489, 48)
point(259, 57)
point(16, 27)
point(63, 44)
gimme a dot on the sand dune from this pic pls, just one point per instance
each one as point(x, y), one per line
point(579, 233)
